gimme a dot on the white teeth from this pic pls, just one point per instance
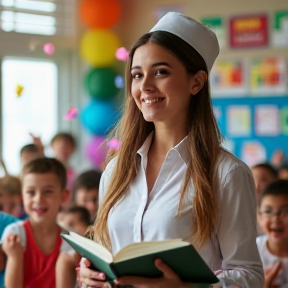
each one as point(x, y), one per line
point(153, 101)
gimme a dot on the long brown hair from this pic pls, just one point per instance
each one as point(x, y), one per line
point(203, 145)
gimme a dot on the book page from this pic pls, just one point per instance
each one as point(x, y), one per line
point(144, 248)
point(92, 246)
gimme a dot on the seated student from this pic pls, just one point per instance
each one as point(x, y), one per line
point(263, 174)
point(86, 189)
point(273, 246)
point(5, 220)
point(76, 219)
point(10, 196)
point(63, 145)
point(30, 152)
point(33, 246)
point(283, 171)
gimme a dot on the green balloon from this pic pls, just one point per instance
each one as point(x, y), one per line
point(100, 83)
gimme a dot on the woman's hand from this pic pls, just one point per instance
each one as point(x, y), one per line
point(91, 278)
point(169, 279)
point(270, 275)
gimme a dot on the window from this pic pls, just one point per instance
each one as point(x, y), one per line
point(45, 17)
point(35, 110)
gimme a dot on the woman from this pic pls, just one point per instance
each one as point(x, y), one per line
point(171, 178)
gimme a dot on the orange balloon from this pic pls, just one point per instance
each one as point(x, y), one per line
point(99, 13)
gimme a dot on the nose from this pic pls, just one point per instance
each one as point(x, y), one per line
point(147, 84)
point(38, 197)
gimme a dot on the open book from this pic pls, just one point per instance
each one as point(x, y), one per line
point(138, 259)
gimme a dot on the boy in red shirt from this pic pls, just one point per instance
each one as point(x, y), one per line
point(33, 246)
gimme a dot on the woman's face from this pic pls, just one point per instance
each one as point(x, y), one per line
point(161, 87)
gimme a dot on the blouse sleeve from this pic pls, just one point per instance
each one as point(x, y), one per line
point(236, 232)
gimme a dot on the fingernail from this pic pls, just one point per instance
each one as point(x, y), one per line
point(102, 275)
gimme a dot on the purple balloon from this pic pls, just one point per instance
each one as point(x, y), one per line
point(96, 151)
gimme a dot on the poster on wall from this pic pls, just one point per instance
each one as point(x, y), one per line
point(284, 120)
point(280, 29)
point(228, 78)
point(267, 120)
point(268, 76)
point(253, 152)
point(248, 31)
point(238, 120)
point(216, 25)
point(161, 10)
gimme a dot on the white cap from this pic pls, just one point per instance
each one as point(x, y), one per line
point(200, 37)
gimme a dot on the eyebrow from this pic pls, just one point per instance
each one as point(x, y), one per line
point(45, 187)
point(153, 65)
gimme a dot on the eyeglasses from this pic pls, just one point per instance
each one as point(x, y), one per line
point(268, 213)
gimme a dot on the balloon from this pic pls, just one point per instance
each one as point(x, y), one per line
point(122, 54)
point(119, 82)
point(99, 13)
point(100, 83)
point(96, 151)
point(98, 47)
point(49, 48)
point(98, 117)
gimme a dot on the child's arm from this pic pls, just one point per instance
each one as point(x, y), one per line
point(15, 257)
point(65, 271)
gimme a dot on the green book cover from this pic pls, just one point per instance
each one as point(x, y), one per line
point(138, 259)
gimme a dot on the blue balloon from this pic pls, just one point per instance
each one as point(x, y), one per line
point(119, 82)
point(99, 117)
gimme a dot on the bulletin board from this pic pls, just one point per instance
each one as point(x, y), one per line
point(253, 127)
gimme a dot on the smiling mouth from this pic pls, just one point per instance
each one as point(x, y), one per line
point(147, 101)
point(276, 230)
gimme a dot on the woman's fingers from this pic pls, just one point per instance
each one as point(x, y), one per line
point(85, 272)
point(93, 283)
point(168, 273)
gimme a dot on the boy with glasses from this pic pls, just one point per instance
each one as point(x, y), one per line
point(273, 246)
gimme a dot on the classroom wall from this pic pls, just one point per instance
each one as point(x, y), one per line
point(139, 16)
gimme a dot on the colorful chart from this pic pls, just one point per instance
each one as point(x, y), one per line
point(228, 78)
point(268, 76)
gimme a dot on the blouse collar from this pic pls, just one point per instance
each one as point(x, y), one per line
point(180, 148)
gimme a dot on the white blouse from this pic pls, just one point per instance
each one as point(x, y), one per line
point(140, 216)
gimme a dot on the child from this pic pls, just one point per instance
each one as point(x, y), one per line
point(273, 246)
point(283, 172)
point(33, 246)
point(76, 219)
point(263, 174)
point(10, 196)
point(30, 152)
point(5, 220)
point(86, 189)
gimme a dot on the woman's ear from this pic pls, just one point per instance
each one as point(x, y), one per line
point(198, 81)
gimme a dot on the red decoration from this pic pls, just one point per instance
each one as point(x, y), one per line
point(99, 13)
point(249, 31)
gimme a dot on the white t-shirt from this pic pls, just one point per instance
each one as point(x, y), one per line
point(268, 260)
point(18, 229)
point(143, 216)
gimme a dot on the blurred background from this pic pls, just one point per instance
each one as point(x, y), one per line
point(62, 65)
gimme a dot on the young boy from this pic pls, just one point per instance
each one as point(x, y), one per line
point(33, 246)
point(10, 196)
point(30, 152)
point(263, 174)
point(273, 246)
point(76, 219)
point(86, 189)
